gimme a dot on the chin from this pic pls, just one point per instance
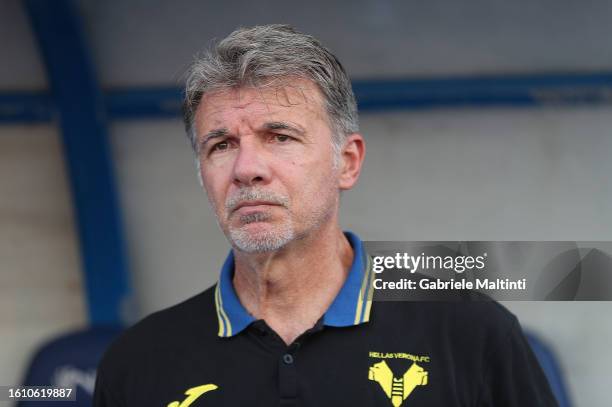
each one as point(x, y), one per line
point(260, 237)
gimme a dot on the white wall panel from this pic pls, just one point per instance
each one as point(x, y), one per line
point(20, 63)
point(142, 42)
point(41, 291)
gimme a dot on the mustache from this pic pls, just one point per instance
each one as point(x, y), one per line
point(255, 194)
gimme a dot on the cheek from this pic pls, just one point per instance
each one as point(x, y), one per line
point(216, 177)
point(215, 193)
point(310, 181)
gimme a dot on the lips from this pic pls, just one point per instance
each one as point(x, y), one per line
point(253, 203)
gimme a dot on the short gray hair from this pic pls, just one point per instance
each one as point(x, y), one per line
point(260, 55)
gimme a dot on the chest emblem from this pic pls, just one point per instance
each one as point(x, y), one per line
point(193, 394)
point(397, 389)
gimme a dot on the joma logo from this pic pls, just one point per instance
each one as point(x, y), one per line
point(193, 394)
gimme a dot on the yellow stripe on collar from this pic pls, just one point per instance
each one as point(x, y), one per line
point(221, 316)
point(365, 295)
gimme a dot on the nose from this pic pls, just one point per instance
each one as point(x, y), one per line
point(251, 166)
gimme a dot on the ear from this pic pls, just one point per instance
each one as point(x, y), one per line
point(351, 160)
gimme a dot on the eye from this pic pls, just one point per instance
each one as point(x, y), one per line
point(220, 146)
point(283, 138)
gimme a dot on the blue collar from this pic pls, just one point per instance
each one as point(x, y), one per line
point(350, 307)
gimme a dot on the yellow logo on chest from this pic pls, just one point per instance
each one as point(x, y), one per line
point(193, 394)
point(397, 389)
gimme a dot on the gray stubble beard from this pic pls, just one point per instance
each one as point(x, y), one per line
point(262, 242)
point(279, 236)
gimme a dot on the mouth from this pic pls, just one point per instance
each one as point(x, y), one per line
point(253, 205)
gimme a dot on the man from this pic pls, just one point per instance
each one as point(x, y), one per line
point(273, 121)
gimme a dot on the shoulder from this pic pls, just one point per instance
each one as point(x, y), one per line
point(479, 309)
point(175, 327)
point(465, 318)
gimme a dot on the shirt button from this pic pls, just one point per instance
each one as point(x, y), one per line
point(288, 359)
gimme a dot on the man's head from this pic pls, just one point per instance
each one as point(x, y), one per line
point(272, 118)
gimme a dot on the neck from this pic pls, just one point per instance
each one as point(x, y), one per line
point(293, 287)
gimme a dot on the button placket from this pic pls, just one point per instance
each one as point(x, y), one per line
point(287, 379)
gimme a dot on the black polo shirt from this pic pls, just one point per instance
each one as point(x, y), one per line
point(209, 351)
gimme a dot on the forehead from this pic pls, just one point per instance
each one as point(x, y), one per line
point(297, 99)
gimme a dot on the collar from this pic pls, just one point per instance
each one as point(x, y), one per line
point(350, 307)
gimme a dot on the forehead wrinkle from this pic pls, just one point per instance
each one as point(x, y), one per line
point(294, 94)
point(297, 94)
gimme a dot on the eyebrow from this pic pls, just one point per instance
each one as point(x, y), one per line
point(223, 132)
point(283, 126)
point(216, 133)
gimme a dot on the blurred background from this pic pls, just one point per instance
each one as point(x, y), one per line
point(484, 120)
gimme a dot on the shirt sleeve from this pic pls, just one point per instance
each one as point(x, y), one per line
point(513, 376)
point(102, 396)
